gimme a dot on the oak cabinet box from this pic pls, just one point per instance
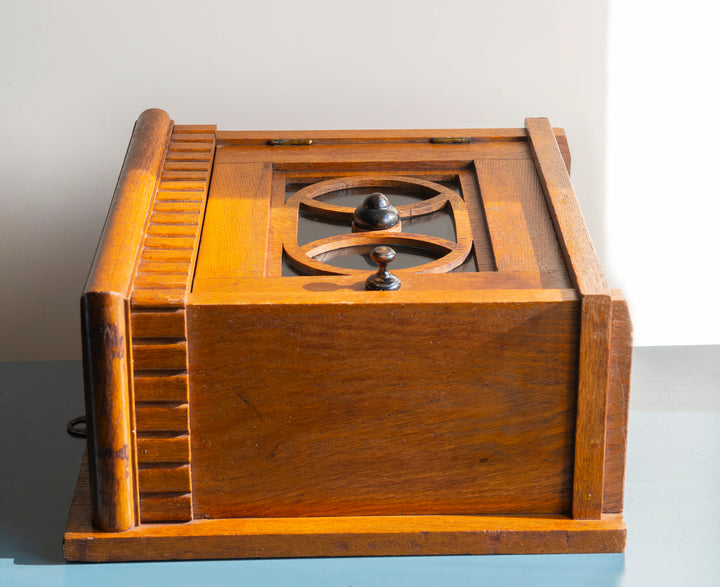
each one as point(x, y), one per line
point(349, 343)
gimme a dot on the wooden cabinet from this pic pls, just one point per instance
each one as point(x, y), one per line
point(249, 396)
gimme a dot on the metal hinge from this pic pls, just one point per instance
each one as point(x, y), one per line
point(289, 142)
point(451, 140)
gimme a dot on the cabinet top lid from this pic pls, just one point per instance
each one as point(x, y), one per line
point(272, 217)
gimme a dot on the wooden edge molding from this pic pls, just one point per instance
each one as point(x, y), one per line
point(580, 256)
point(119, 244)
point(500, 290)
point(564, 146)
point(618, 402)
point(165, 267)
point(105, 323)
point(337, 536)
point(107, 406)
point(593, 370)
point(319, 137)
point(596, 314)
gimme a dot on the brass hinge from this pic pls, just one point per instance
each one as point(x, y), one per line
point(451, 140)
point(289, 142)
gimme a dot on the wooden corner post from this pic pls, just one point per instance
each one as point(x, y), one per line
point(595, 321)
point(105, 328)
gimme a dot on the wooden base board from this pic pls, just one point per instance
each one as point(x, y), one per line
point(336, 536)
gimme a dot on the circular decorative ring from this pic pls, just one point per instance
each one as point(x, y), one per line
point(434, 196)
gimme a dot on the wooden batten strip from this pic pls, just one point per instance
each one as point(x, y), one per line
point(168, 281)
point(180, 206)
point(580, 255)
point(160, 356)
point(618, 400)
point(162, 267)
point(164, 450)
point(167, 275)
point(182, 185)
point(176, 508)
point(172, 175)
point(160, 479)
point(596, 315)
point(190, 148)
point(190, 218)
point(171, 209)
point(161, 418)
point(246, 222)
point(172, 230)
point(548, 255)
point(157, 323)
point(181, 196)
point(194, 128)
point(482, 248)
point(170, 242)
point(161, 388)
point(169, 256)
point(594, 359)
point(159, 347)
point(500, 189)
point(199, 137)
point(202, 156)
point(562, 141)
point(244, 137)
point(200, 166)
point(149, 297)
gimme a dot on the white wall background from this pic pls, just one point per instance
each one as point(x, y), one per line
point(75, 75)
point(663, 199)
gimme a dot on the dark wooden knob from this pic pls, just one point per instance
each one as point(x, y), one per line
point(383, 280)
point(375, 213)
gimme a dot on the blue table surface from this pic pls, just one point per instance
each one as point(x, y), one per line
point(672, 497)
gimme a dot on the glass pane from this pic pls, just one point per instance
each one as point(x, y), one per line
point(312, 227)
point(359, 257)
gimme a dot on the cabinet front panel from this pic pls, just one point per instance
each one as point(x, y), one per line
point(389, 409)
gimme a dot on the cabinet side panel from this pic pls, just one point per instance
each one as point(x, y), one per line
point(392, 409)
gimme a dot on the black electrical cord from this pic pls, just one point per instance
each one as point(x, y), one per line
point(77, 427)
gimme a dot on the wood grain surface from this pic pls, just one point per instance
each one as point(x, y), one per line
point(370, 136)
point(618, 405)
point(159, 348)
point(501, 185)
point(234, 242)
point(385, 155)
point(595, 331)
point(575, 241)
point(106, 342)
point(117, 250)
point(479, 412)
point(596, 315)
point(108, 406)
point(390, 409)
point(337, 536)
